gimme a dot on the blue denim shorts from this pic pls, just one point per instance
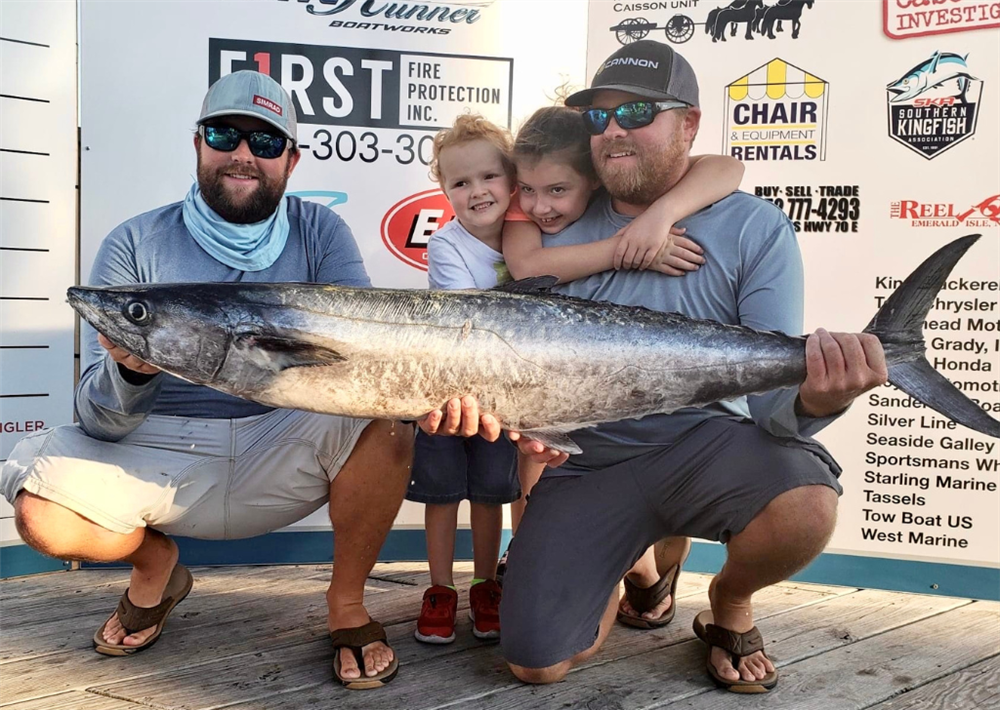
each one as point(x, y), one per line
point(448, 469)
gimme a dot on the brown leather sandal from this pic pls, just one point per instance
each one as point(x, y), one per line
point(136, 618)
point(648, 598)
point(355, 639)
point(738, 646)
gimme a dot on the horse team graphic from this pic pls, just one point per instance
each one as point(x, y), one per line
point(757, 17)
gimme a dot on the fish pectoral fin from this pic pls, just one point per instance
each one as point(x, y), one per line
point(534, 284)
point(288, 352)
point(554, 440)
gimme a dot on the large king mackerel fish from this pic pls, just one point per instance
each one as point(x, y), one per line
point(542, 363)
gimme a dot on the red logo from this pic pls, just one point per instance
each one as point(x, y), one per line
point(941, 101)
point(947, 214)
point(409, 224)
point(266, 103)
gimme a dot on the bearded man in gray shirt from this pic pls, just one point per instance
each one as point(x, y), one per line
point(154, 455)
point(745, 473)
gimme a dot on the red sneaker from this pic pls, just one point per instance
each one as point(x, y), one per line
point(484, 609)
point(437, 615)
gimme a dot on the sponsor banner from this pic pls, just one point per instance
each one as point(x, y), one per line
point(777, 112)
point(816, 208)
point(935, 105)
point(804, 117)
point(375, 88)
point(679, 21)
point(919, 18)
point(981, 215)
point(404, 18)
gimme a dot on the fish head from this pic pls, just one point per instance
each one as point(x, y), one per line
point(179, 328)
point(907, 87)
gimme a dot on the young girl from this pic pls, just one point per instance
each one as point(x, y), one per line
point(471, 162)
point(556, 181)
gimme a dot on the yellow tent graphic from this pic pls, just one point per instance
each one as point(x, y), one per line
point(776, 80)
point(758, 103)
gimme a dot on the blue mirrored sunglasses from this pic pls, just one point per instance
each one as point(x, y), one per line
point(634, 114)
point(262, 144)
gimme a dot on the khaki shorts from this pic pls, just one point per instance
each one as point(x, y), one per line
point(203, 478)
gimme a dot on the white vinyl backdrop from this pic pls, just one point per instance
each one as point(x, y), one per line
point(842, 62)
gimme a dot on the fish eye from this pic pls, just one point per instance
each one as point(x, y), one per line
point(136, 312)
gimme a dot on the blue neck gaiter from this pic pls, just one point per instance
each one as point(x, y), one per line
point(247, 247)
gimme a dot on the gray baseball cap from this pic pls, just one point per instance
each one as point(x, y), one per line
point(250, 93)
point(647, 68)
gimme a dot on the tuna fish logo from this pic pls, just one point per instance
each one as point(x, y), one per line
point(936, 72)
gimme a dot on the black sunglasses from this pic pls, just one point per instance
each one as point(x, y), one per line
point(262, 144)
point(634, 114)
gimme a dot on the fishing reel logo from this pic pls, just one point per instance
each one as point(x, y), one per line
point(755, 16)
point(408, 225)
point(935, 105)
point(778, 111)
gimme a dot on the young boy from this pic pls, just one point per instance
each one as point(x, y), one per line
point(472, 164)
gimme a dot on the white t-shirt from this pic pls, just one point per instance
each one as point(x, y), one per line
point(456, 259)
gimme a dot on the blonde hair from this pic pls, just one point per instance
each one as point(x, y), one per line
point(467, 128)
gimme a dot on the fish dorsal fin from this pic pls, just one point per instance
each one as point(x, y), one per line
point(554, 440)
point(284, 353)
point(934, 61)
point(533, 284)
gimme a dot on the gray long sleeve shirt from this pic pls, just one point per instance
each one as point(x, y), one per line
point(753, 277)
point(156, 247)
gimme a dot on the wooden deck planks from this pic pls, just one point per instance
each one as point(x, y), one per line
point(284, 612)
point(479, 669)
point(977, 686)
point(254, 639)
point(678, 671)
point(77, 700)
point(862, 674)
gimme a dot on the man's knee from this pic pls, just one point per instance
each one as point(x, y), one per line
point(819, 505)
point(541, 676)
point(804, 513)
point(37, 522)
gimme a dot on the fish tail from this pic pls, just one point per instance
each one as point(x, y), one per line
point(899, 326)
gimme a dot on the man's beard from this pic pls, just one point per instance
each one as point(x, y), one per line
point(256, 206)
point(652, 176)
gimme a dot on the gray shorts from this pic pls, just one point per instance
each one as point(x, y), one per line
point(203, 478)
point(581, 534)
